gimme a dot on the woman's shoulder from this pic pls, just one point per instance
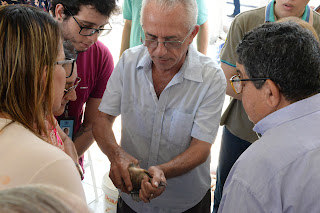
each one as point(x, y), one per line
point(14, 135)
point(29, 159)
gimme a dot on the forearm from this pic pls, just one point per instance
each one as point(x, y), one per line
point(120, 160)
point(104, 136)
point(203, 38)
point(125, 42)
point(84, 136)
point(195, 155)
point(83, 139)
point(71, 150)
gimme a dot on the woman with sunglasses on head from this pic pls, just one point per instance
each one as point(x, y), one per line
point(31, 87)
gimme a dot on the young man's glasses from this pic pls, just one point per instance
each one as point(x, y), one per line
point(150, 43)
point(88, 31)
point(72, 87)
point(64, 63)
point(236, 84)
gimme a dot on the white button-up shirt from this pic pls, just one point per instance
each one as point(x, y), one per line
point(155, 130)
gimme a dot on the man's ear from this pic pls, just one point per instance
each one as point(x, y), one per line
point(59, 11)
point(272, 93)
point(194, 33)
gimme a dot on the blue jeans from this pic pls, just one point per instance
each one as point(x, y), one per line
point(231, 149)
point(236, 7)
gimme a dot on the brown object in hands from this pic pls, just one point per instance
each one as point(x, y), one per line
point(136, 175)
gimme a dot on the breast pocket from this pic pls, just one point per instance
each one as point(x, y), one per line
point(180, 128)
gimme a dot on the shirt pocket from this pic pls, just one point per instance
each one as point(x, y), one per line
point(176, 135)
point(180, 128)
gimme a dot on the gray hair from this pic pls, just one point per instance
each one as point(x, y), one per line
point(69, 50)
point(191, 9)
point(286, 53)
point(38, 198)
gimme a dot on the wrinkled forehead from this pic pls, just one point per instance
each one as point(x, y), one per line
point(163, 23)
point(154, 12)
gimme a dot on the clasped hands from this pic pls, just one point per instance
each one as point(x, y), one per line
point(127, 176)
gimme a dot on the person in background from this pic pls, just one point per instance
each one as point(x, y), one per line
point(236, 10)
point(58, 136)
point(43, 4)
point(82, 22)
point(72, 79)
point(237, 133)
point(6, 2)
point(31, 88)
point(170, 98)
point(280, 93)
point(40, 198)
point(132, 29)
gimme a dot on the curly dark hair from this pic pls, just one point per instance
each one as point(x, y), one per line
point(104, 7)
point(286, 53)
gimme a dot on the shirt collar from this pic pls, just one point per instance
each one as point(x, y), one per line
point(191, 65)
point(288, 113)
point(145, 61)
point(190, 69)
point(270, 17)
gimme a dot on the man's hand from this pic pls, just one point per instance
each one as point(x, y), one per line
point(119, 173)
point(157, 186)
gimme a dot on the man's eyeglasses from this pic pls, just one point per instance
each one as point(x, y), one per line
point(72, 87)
point(88, 31)
point(150, 43)
point(236, 84)
point(64, 63)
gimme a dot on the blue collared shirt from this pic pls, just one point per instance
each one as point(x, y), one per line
point(280, 172)
point(155, 130)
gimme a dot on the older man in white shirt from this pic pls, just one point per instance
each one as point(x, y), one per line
point(170, 98)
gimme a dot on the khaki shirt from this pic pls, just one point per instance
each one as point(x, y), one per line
point(235, 118)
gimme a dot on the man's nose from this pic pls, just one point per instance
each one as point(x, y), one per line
point(161, 49)
point(71, 95)
point(94, 37)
